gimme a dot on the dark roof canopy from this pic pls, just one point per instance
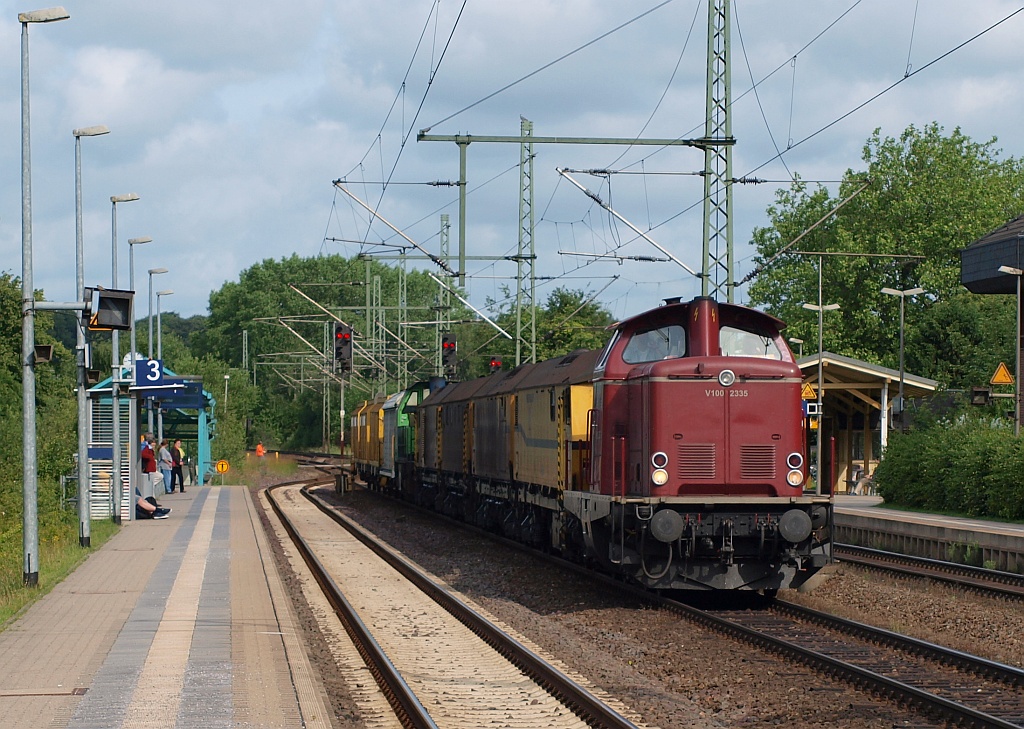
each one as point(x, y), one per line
point(980, 261)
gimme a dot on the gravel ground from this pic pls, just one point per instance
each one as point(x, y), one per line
point(670, 672)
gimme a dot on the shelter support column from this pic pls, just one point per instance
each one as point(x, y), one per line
point(883, 421)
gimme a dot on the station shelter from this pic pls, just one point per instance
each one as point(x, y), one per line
point(857, 404)
point(187, 411)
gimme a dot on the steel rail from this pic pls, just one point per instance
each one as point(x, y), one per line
point(407, 707)
point(922, 700)
point(974, 664)
point(583, 703)
point(1004, 584)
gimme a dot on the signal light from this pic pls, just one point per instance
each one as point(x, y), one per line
point(343, 346)
point(495, 364)
point(449, 351)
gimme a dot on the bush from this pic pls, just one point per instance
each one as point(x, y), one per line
point(967, 467)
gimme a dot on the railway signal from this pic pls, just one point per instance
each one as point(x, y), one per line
point(495, 363)
point(449, 351)
point(343, 346)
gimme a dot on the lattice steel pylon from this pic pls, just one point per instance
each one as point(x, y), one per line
point(444, 298)
point(526, 280)
point(718, 254)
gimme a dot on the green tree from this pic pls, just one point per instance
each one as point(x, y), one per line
point(568, 320)
point(930, 195)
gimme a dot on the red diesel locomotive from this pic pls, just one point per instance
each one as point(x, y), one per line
point(675, 457)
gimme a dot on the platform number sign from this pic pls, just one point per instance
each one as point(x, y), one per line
point(149, 373)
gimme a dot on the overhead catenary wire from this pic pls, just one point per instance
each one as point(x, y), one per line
point(548, 65)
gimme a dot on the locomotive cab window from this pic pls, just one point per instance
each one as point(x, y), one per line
point(741, 343)
point(654, 344)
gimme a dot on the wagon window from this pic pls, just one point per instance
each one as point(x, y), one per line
point(741, 343)
point(655, 344)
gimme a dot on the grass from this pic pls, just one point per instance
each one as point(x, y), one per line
point(59, 555)
point(253, 470)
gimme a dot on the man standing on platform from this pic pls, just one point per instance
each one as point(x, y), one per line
point(177, 457)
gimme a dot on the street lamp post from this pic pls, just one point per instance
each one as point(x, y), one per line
point(821, 389)
point(800, 343)
point(132, 242)
point(1019, 273)
point(115, 358)
point(160, 354)
point(30, 486)
point(226, 378)
point(84, 527)
point(149, 403)
point(903, 294)
point(134, 356)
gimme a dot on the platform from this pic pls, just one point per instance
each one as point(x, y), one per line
point(179, 622)
point(998, 545)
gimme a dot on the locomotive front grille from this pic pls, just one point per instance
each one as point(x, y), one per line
point(757, 461)
point(696, 461)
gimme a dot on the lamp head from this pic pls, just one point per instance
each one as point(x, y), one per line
point(91, 131)
point(124, 198)
point(48, 15)
point(154, 271)
point(165, 292)
point(139, 241)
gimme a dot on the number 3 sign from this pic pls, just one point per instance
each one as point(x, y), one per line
point(149, 372)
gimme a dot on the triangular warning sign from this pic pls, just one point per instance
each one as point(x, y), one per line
point(808, 392)
point(1002, 376)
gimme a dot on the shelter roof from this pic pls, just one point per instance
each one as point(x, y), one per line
point(855, 374)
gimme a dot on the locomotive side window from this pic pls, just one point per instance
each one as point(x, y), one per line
point(655, 344)
point(602, 362)
point(741, 343)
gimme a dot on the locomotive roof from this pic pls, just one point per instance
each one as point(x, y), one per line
point(681, 308)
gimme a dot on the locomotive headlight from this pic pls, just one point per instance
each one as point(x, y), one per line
point(726, 378)
point(795, 478)
point(659, 476)
point(659, 459)
point(795, 460)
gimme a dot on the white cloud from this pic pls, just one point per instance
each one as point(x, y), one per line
point(230, 120)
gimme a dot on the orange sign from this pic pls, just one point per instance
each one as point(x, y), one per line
point(222, 466)
point(808, 393)
point(1002, 376)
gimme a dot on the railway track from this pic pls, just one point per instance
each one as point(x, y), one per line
point(438, 662)
point(994, 582)
point(956, 687)
point(951, 686)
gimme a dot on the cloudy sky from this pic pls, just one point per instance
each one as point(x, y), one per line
point(231, 121)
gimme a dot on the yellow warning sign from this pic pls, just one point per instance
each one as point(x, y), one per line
point(808, 393)
point(1002, 376)
point(222, 467)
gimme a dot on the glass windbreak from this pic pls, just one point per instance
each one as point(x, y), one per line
point(654, 344)
point(741, 343)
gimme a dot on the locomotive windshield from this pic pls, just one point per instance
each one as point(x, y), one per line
point(741, 343)
point(654, 344)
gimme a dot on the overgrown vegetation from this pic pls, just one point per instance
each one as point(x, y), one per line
point(968, 465)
